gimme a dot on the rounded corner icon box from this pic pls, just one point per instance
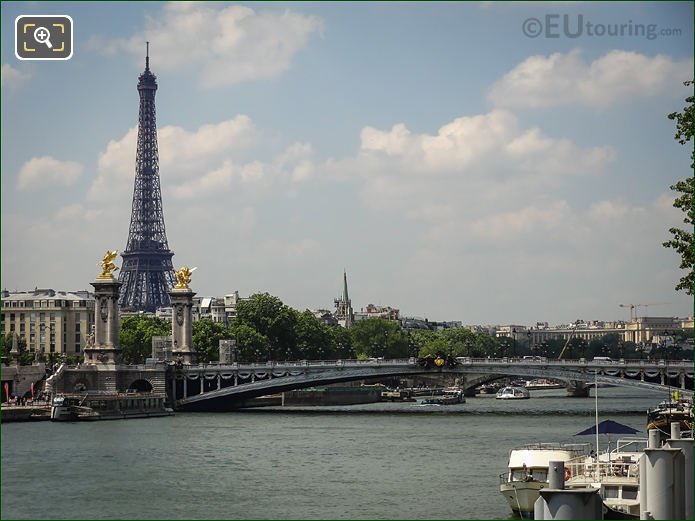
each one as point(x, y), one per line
point(44, 37)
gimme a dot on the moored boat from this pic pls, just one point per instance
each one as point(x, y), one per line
point(397, 396)
point(528, 472)
point(512, 393)
point(490, 388)
point(669, 411)
point(541, 383)
point(615, 474)
point(90, 406)
point(450, 396)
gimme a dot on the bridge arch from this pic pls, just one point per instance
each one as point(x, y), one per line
point(141, 385)
point(246, 381)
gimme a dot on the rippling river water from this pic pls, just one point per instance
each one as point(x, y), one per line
point(375, 461)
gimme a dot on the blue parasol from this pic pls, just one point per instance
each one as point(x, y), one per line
point(608, 427)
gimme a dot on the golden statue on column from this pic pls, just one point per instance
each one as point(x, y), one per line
point(183, 277)
point(107, 265)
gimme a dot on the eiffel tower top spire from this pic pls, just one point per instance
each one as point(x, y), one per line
point(147, 273)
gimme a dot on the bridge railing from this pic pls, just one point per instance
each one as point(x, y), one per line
point(465, 361)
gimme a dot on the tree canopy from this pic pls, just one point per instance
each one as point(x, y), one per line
point(682, 240)
point(206, 339)
point(135, 336)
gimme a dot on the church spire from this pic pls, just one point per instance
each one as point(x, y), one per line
point(345, 290)
point(343, 312)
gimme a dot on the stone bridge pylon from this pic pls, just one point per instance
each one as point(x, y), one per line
point(102, 369)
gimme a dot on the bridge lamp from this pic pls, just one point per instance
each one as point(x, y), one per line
point(662, 343)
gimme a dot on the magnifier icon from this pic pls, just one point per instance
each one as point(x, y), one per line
point(42, 35)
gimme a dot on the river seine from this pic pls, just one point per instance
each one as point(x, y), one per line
point(375, 461)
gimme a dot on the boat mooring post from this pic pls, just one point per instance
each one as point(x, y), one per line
point(675, 430)
point(556, 475)
point(556, 502)
point(686, 447)
point(662, 481)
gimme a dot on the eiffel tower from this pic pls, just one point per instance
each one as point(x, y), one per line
point(147, 274)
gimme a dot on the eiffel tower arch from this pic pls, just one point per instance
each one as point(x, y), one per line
point(147, 273)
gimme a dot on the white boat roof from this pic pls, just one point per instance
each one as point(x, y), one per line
point(540, 457)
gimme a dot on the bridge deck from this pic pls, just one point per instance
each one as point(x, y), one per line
point(251, 380)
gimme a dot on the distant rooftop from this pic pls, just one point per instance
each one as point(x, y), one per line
point(46, 293)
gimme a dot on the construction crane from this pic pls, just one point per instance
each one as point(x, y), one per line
point(562, 352)
point(633, 306)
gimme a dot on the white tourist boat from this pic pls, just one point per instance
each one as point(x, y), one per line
point(95, 405)
point(450, 396)
point(528, 472)
point(512, 393)
point(614, 473)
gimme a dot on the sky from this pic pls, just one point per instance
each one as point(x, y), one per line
point(492, 163)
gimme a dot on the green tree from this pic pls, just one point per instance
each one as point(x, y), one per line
point(485, 345)
point(578, 348)
point(461, 341)
point(554, 347)
point(135, 336)
point(435, 347)
point(251, 346)
point(259, 312)
point(269, 317)
point(505, 346)
point(682, 240)
point(26, 357)
point(7, 344)
point(342, 341)
point(314, 338)
point(206, 339)
point(422, 336)
point(376, 337)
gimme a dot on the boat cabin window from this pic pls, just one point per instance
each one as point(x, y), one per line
point(518, 474)
point(629, 492)
point(610, 492)
point(540, 474)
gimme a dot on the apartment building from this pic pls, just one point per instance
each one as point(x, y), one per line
point(50, 321)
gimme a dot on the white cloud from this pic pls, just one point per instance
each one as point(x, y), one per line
point(11, 77)
point(186, 158)
point(47, 172)
point(230, 45)
point(530, 219)
point(456, 145)
point(76, 213)
point(566, 79)
point(611, 210)
point(293, 165)
point(472, 166)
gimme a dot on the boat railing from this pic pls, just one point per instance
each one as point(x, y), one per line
point(580, 448)
point(589, 469)
point(630, 445)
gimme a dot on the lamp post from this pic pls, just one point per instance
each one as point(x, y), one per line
point(514, 338)
point(504, 346)
point(468, 345)
point(411, 346)
point(662, 344)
